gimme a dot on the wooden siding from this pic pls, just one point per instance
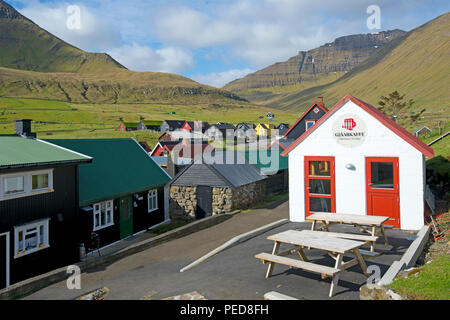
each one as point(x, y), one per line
point(64, 238)
point(300, 127)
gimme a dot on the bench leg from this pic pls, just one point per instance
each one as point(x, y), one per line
point(276, 247)
point(313, 225)
point(373, 233)
point(335, 279)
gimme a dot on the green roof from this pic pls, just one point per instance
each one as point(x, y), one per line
point(17, 151)
point(131, 124)
point(266, 162)
point(120, 167)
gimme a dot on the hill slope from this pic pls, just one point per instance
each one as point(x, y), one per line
point(415, 64)
point(36, 64)
point(317, 66)
point(24, 45)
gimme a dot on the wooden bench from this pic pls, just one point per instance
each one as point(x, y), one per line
point(323, 270)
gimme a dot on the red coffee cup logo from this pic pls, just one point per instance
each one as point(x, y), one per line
point(349, 124)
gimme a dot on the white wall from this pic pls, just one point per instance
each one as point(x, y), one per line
point(350, 185)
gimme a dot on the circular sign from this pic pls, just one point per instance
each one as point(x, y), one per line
point(349, 130)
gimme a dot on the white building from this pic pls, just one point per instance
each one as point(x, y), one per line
point(355, 160)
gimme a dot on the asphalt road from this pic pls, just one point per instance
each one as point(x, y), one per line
point(230, 275)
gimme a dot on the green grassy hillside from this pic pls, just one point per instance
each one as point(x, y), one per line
point(415, 64)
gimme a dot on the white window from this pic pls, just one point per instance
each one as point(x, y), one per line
point(25, 184)
point(30, 238)
point(309, 124)
point(152, 200)
point(103, 214)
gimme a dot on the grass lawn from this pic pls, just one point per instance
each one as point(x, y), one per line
point(432, 280)
point(269, 199)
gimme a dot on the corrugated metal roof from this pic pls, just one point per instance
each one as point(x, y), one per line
point(120, 167)
point(17, 151)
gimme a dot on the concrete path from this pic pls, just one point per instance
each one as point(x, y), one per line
point(164, 261)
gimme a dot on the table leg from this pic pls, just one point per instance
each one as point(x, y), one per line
point(313, 225)
point(384, 235)
point(373, 233)
point(276, 247)
point(335, 279)
point(361, 261)
point(302, 254)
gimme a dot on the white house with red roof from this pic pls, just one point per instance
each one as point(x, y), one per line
point(355, 160)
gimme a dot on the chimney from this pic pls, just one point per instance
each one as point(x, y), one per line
point(320, 101)
point(23, 128)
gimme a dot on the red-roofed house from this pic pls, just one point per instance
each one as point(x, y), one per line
point(356, 160)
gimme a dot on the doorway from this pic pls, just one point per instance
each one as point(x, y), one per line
point(382, 187)
point(320, 190)
point(4, 260)
point(126, 217)
point(204, 202)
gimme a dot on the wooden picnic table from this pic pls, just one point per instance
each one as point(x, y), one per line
point(334, 247)
point(369, 224)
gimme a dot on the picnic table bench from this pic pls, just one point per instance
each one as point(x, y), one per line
point(333, 246)
point(374, 225)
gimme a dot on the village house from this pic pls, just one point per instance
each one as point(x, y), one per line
point(356, 160)
point(153, 125)
point(184, 149)
point(128, 126)
point(198, 126)
point(264, 129)
point(171, 125)
point(121, 192)
point(221, 130)
point(38, 205)
point(207, 188)
point(282, 129)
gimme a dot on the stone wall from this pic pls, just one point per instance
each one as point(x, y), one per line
point(182, 202)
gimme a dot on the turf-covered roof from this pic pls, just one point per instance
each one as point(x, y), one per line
point(17, 151)
point(120, 167)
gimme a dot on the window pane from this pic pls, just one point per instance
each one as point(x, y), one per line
point(320, 186)
point(320, 204)
point(103, 216)
point(31, 240)
point(382, 175)
point(20, 238)
point(97, 220)
point(40, 181)
point(309, 124)
point(108, 216)
point(14, 185)
point(41, 235)
point(319, 168)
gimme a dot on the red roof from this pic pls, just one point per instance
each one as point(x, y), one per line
point(315, 104)
point(389, 123)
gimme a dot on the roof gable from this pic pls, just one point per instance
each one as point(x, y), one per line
point(314, 105)
point(377, 114)
point(120, 167)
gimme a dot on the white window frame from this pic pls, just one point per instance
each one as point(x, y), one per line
point(27, 184)
point(309, 121)
point(42, 240)
point(152, 194)
point(97, 211)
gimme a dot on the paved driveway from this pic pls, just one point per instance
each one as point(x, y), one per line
point(232, 274)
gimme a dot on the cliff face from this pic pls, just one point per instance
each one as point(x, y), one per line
point(337, 57)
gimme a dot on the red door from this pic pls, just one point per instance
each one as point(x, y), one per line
point(320, 195)
point(382, 188)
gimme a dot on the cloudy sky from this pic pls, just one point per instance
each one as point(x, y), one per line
point(216, 41)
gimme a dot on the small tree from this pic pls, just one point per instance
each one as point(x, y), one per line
point(393, 103)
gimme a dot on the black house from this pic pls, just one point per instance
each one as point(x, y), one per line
point(171, 125)
point(38, 206)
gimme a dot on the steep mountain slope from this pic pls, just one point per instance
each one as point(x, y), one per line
point(24, 45)
point(36, 64)
point(319, 65)
point(416, 64)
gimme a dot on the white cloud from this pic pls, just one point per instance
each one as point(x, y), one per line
point(94, 35)
point(142, 58)
point(219, 79)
